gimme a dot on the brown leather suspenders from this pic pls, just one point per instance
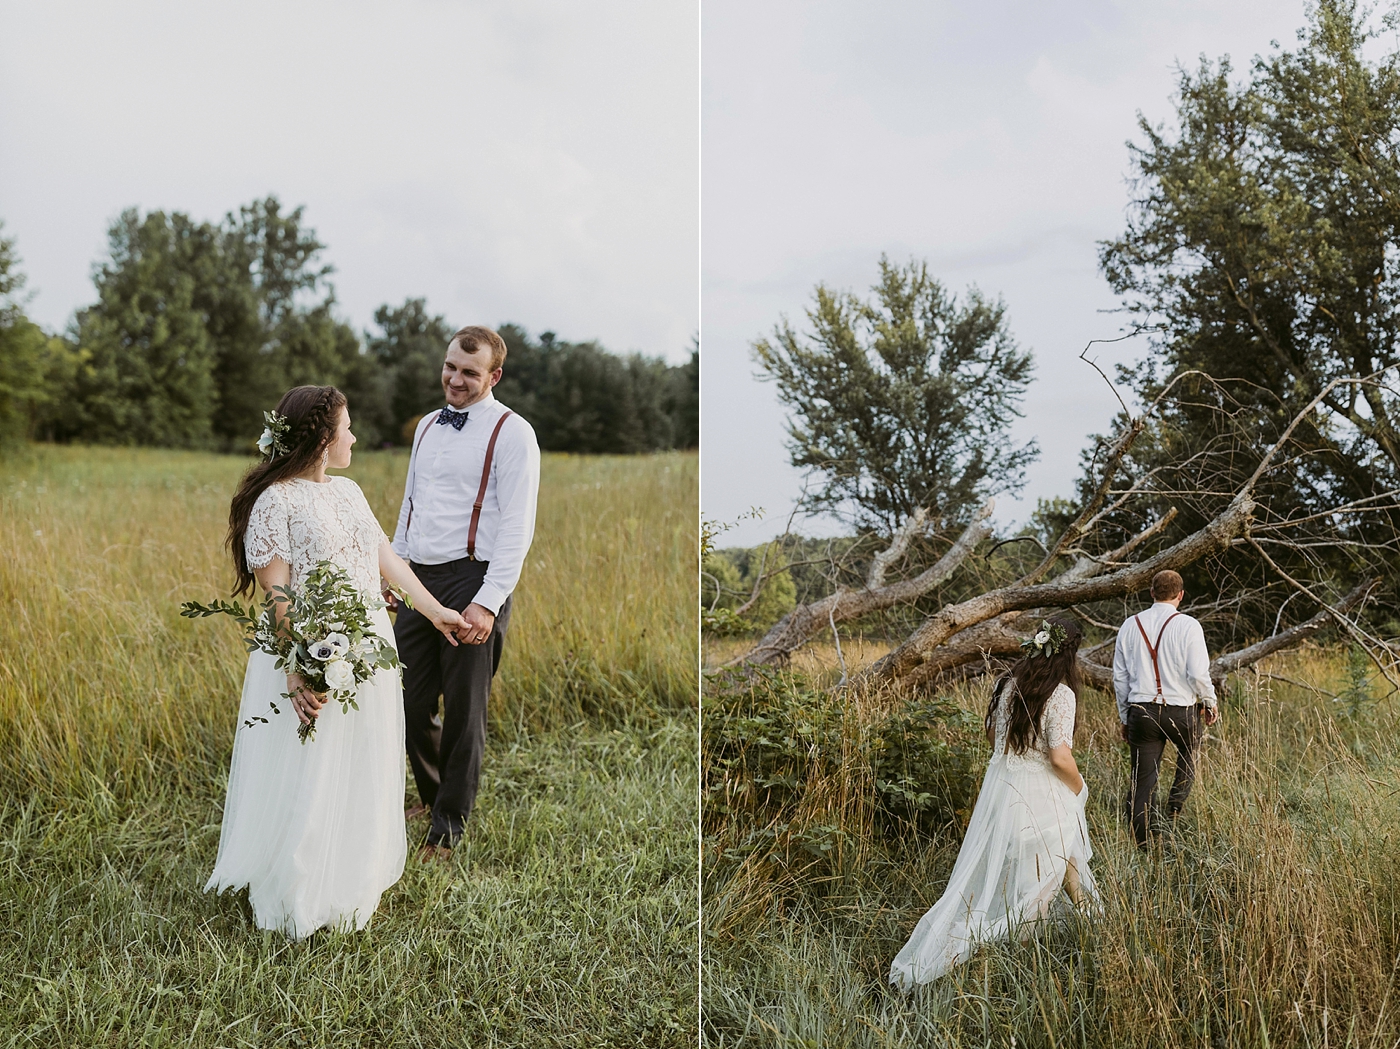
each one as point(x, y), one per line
point(1152, 650)
point(481, 490)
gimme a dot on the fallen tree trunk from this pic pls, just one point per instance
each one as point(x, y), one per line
point(1002, 636)
point(913, 660)
point(916, 660)
point(1100, 675)
point(805, 621)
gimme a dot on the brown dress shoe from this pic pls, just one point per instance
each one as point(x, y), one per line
point(434, 854)
point(412, 812)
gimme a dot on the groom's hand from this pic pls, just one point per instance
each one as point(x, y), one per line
point(479, 623)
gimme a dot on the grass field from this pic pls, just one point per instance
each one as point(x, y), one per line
point(1271, 920)
point(568, 917)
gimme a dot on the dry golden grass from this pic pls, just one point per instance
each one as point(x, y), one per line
point(100, 678)
point(1269, 919)
point(567, 916)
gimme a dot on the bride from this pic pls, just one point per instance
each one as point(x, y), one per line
point(1027, 840)
point(316, 830)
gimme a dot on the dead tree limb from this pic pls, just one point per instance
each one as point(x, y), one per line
point(919, 658)
point(1002, 636)
point(805, 621)
point(881, 562)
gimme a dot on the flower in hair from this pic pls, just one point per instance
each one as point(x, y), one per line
point(1048, 640)
point(273, 441)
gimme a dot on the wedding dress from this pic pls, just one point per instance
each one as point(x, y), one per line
point(1025, 829)
point(315, 830)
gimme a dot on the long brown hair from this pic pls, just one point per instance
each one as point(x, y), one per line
point(1029, 683)
point(312, 414)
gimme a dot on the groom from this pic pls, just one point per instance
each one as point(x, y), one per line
point(1161, 673)
point(467, 519)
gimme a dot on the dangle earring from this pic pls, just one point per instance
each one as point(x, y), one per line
point(326, 457)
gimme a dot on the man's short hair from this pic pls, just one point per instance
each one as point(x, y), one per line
point(476, 339)
point(1166, 584)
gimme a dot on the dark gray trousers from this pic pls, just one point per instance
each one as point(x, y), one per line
point(445, 751)
point(1150, 726)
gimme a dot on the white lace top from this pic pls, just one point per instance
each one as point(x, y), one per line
point(1056, 725)
point(303, 522)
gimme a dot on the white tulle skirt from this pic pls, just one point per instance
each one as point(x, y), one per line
point(316, 830)
point(1026, 828)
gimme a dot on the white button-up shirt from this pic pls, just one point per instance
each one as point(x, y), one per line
point(444, 475)
point(1181, 657)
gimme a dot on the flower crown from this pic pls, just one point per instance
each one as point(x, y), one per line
point(1048, 641)
point(273, 441)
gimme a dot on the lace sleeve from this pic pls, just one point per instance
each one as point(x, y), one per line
point(269, 532)
point(1057, 724)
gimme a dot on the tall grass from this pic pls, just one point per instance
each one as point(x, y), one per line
point(1268, 919)
point(567, 916)
point(100, 677)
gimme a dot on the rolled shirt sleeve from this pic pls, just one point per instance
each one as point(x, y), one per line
point(1198, 666)
point(1122, 679)
point(517, 469)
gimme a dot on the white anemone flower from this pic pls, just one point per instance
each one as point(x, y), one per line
point(340, 641)
point(1042, 637)
point(265, 441)
point(323, 650)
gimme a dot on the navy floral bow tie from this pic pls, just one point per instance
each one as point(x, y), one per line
point(453, 417)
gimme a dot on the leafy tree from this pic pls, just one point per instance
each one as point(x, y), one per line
point(199, 328)
point(408, 351)
point(1260, 250)
point(267, 301)
point(682, 400)
point(902, 401)
point(24, 349)
point(150, 376)
point(580, 398)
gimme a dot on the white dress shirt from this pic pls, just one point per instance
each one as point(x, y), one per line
point(1181, 657)
point(444, 475)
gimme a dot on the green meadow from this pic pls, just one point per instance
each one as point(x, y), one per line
point(567, 917)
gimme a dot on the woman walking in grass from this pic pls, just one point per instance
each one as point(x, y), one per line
point(315, 830)
point(1027, 843)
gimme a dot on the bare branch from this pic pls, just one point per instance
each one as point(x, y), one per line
point(804, 621)
point(879, 565)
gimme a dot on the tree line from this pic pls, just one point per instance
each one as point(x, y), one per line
point(198, 327)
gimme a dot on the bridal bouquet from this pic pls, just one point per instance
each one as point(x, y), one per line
point(325, 635)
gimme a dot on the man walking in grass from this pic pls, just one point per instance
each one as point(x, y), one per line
point(1161, 674)
point(467, 519)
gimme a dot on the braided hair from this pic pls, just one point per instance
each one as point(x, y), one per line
point(313, 416)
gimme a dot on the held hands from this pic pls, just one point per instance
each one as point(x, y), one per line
point(304, 701)
point(1210, 715)
point(448, 621)
point(478, 624)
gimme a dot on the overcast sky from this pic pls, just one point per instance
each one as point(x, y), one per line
point(987, 138)
point(534, 162)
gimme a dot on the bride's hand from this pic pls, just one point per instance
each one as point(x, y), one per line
point(448, 621)
point(304, 701)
